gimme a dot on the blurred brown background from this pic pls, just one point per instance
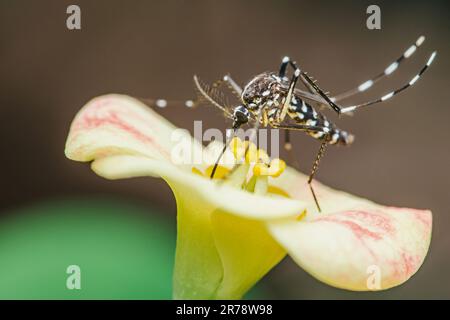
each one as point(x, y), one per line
point(152, 49)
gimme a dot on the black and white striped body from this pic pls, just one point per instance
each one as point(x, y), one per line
point(268, 92)
point(302, 113)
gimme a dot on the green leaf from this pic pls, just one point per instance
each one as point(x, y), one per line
point(124, 251)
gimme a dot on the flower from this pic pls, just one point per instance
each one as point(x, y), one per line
point(232, 232)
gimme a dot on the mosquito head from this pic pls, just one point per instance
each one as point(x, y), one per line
point(240, 116)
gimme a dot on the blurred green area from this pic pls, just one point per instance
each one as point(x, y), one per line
point(124, 251)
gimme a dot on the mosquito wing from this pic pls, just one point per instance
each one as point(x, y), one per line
point(309, 96)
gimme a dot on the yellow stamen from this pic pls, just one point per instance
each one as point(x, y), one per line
point(238, 148)
point(278, 191)
point(262, 169)
point(278, 166)
point(197, 171)
point(301, 216)
point(274, 169)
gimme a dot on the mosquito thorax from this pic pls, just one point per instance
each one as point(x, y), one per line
point(264, 89)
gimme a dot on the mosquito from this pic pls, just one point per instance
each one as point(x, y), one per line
point(271, 99)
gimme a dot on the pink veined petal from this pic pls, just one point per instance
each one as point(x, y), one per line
point(331, 200)
point(367, 247)
point(353, 242)
point(118, 124)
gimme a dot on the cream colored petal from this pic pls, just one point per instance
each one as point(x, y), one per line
point(331, 200)
point(118, 124)
point(232, 200)
point(354, 242)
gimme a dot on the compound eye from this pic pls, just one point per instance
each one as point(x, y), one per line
point(241, 114)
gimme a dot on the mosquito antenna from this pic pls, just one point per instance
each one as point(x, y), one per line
point(211, 95)
point(205, 93)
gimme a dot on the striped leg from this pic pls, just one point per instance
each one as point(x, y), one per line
point(282, 73)
point(289, 94)
point(314, 170)
point(208, 93)
point(288, 147)
point(287, 141)
point(309, 83)
point(233, 86)
point(394, 92)
point(388, 71)
point(319, 154)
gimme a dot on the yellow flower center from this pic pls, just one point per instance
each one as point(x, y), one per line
point(252, 169)
point(263, 166)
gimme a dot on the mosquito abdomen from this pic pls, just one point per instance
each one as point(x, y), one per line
point(303, 113)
